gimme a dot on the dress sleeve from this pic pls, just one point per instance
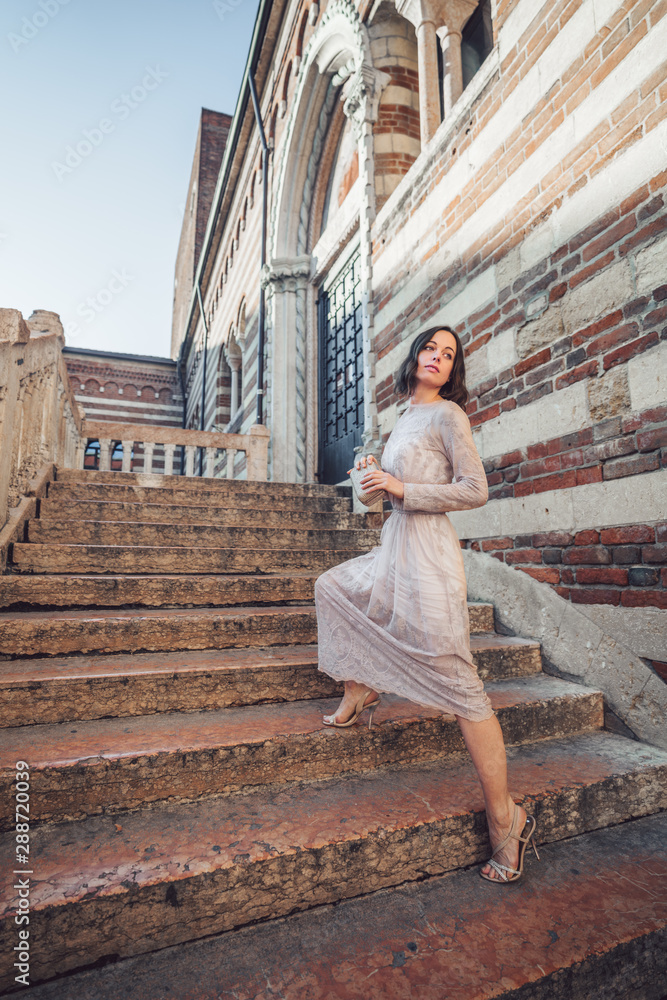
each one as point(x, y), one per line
point(470, 489)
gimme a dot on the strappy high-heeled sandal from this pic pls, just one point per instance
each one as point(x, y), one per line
point(506, 873)
point(330, 720)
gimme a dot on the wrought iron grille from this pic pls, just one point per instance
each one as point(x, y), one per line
point(341, 395)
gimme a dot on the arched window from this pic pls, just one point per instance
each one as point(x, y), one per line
point(240, 324)
point(302, 32)
point(91, 456)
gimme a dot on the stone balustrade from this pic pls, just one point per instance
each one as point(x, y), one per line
point(255, 445)
point(42, 426)
point(40, 421)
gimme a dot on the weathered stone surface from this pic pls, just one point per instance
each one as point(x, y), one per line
point(540, 332)
point(118, 764)
point(205, 535)
point(82, 687)
point(110, 889)
point(607, 290)
point(572, 643)
point(609, 394)
point(190, 514)
point(194, 484)
point(200, 495)
point(86, 590)
point(61, 558)
point(44, 633)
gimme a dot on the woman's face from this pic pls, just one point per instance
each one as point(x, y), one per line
point(436, 360)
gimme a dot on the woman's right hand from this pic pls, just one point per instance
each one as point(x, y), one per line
point(364, 462)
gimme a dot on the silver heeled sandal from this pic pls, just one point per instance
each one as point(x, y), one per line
point(330, 720)
point(506, 873)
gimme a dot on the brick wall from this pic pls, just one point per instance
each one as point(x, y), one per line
point(563, 324)
point(126, 388)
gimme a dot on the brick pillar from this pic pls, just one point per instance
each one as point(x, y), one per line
point(396, 134)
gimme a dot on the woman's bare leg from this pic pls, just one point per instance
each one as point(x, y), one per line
point(485, 744)
point(353, 693)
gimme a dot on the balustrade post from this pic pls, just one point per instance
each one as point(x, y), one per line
point(190, 459)
point(210, 460)
point(169, 459)
point(149, 448)
point(127, 455)
point(257, 454)
point(105, 454)
point(231, 456)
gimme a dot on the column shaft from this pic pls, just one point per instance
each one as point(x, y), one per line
point(429, 98)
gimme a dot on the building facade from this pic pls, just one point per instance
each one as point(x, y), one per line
point(496, 166)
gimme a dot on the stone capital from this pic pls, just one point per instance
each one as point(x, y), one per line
point(451, 14)
point(361, 96)
point(286, 274)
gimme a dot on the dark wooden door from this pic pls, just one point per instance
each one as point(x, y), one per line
point(341, 374)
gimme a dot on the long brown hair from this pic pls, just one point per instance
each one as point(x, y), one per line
point(454, 388)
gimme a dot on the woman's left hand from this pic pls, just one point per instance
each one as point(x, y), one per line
point(377, 479)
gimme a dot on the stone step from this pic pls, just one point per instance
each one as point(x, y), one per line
point(175, 496)
point(20, 592)
point(46, 532)
point(104, 889)
point(52, 558)
point(55, 690)
point(53, 633)
point(198, 495)
point(112, 765)
point(197, 483)
point(112, 510)
point(132, 630)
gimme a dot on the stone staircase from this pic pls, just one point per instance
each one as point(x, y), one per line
point(196, 832)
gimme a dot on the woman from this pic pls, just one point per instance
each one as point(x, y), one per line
point(396, 618)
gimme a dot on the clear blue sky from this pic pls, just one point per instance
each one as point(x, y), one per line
point(106, 228)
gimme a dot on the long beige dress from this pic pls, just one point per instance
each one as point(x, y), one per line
point(396, 618)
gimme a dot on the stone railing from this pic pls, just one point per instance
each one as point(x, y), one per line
point(255, 445)
point(40, 422)
point(42, 426)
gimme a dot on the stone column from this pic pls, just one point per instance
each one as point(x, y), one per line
point(452, 78)
point(361, 100)
point(234, 362)
point(286, 281)
point(429, 97)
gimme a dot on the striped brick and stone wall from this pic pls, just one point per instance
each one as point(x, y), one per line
point(536, 224)
point(126, 388)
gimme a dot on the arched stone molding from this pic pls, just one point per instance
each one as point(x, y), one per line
point(336, 64)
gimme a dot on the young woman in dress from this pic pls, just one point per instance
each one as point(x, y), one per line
point(396, 619)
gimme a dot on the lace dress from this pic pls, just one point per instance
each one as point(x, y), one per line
point(396, 618)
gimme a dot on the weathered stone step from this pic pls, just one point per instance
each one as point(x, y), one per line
point(197, 494)
point(81, 687)
point(111, 765)
point(173, 874)
point(19, 591)
point(56, 558)
point(196, 483)
point(45, 532)
point(118, 630)
point(51, 633)
point(147, 513)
